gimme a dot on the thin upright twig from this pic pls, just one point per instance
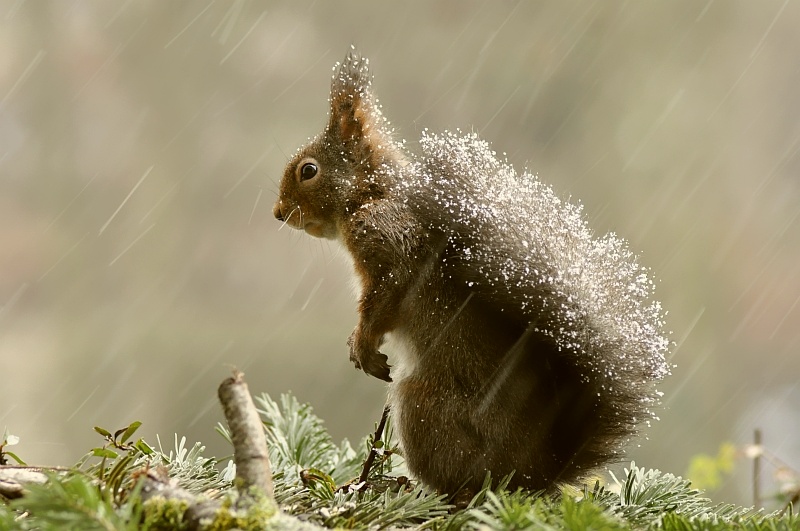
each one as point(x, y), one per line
point(373, 453)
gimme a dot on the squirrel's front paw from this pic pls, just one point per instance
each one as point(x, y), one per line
point(368, 359)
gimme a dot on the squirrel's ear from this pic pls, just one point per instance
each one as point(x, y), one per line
point(354, 112)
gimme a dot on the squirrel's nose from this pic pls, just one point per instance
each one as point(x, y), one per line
point(276, 211)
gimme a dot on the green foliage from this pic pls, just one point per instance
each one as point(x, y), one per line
point(117, 459)
point(678, 522)
point(520, 510)
point(8, 518)
point(311, 474)
point(74, 502)
point(101, 491)
point(187, 466)
point(298, 439)
point(654, 499)
point(706, 472)
point(193, 471)
point(315, 488)
point(8, 440)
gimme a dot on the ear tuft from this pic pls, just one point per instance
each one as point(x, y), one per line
point(352, 76)
point(354, 111)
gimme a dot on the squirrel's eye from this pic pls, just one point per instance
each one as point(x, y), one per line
point(308, 171)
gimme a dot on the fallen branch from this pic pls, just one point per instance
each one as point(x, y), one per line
point(253, 470)
point(14, 478)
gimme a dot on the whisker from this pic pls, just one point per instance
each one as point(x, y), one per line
point(277, 145)
point(285, 221)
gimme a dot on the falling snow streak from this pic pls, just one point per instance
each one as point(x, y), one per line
point(25, 75)
point(191, 22)
point(753, 56)
point(107, 223)
point(128, 248)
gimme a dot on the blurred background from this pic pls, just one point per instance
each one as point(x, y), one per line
point(141, 143)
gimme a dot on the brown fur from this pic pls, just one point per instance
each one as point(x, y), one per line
point(480, 384)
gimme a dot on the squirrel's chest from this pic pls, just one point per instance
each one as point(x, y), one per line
point(402, 353)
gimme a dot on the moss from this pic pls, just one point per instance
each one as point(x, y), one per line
point(250, 511)
point(164, 514)
point(253, 510)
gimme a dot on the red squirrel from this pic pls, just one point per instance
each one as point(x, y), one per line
point(524, 344)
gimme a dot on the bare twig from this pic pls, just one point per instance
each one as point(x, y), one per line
point(247, 433)
point(374, 451)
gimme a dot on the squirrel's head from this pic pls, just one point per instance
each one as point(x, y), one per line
point(347, 165)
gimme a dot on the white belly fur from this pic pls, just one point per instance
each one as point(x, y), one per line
point(403, 359)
